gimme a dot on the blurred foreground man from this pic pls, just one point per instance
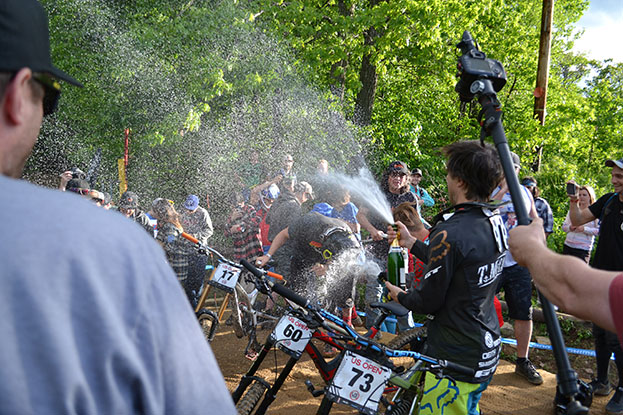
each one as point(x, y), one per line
point(92, 322)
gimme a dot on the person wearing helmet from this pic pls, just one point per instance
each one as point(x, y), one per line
point(319, 243)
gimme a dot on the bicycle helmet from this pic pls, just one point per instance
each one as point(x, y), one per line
point(336, 241)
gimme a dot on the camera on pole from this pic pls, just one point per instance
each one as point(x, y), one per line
point(481, 77)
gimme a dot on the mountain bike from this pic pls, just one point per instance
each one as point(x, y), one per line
point(226, 277)
point(369, 361)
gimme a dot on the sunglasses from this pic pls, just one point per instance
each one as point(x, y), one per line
point(397, 175)
point(78, 190)
point(52, 92)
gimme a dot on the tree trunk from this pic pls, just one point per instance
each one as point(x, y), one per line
point(540, 91)
point(346, 9)
point(368, 77)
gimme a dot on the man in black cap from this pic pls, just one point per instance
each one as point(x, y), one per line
point(608, 256)
point(113, 332)
point(395, 187)
point(128, 207)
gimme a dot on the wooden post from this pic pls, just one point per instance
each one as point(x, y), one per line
point(540, 91)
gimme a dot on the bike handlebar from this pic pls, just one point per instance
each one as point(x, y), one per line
point(190, 238)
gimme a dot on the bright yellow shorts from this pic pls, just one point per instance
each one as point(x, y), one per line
point(442, 397)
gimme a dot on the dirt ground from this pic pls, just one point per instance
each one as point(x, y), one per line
point(507, 393)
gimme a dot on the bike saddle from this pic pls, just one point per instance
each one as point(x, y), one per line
point(392, 307)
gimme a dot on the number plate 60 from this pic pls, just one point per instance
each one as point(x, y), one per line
point(292, 335)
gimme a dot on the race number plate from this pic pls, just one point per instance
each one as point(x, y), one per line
point(291, 335)
point(359, 382)
point(226, 276)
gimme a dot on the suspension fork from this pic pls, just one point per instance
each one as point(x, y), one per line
point(247, 378)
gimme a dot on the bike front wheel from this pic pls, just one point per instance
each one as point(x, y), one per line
point(246, 405)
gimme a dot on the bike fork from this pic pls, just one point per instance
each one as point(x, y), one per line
point(271, 394)
point(248, 377)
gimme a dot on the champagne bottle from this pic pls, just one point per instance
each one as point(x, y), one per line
point(396, 264)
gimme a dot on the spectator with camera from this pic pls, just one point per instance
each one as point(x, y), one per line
point(609, 257)
point(579, 240)
point(66, 176)
point(114, 333)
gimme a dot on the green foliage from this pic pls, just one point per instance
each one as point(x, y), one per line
point(201, 83)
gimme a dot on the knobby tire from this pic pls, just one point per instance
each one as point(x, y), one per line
point(403, 340)
point(249, 401)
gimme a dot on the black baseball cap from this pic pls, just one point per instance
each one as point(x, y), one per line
point(612, 163)
point(129, 200)
point(25, 39)
point(398, 167)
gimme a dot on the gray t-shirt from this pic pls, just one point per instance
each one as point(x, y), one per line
point(93, 320)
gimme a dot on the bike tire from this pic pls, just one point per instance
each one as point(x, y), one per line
point(409, 340)
point(209, 324)
point(246, 405)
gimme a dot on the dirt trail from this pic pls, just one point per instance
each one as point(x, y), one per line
point(507, 393)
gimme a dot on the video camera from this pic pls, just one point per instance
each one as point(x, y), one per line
point(474, 65)
point(76, 173)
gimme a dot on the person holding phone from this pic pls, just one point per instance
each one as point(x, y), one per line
point(580, 239)
point(609, 257)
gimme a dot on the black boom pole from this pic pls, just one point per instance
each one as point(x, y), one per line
point(482, 77)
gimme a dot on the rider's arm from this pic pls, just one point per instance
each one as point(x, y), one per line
point(420, 250)
point(363, 219)
point(281, 238)
point(430, 295)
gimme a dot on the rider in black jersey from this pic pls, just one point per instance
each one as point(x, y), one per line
point(464, 257)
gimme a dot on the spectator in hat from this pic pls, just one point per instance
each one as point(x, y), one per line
point(128, 207)
point(543, 210)
point(516, 281)
point(196, 222)
point(395, 187)
point(116, 335)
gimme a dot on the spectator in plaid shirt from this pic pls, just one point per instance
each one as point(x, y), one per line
point(169, 236)
point(196, 221)
point(243, 226)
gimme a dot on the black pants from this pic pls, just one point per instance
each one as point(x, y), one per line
point(607, 343)
point(196, 273)
point(579, 253)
